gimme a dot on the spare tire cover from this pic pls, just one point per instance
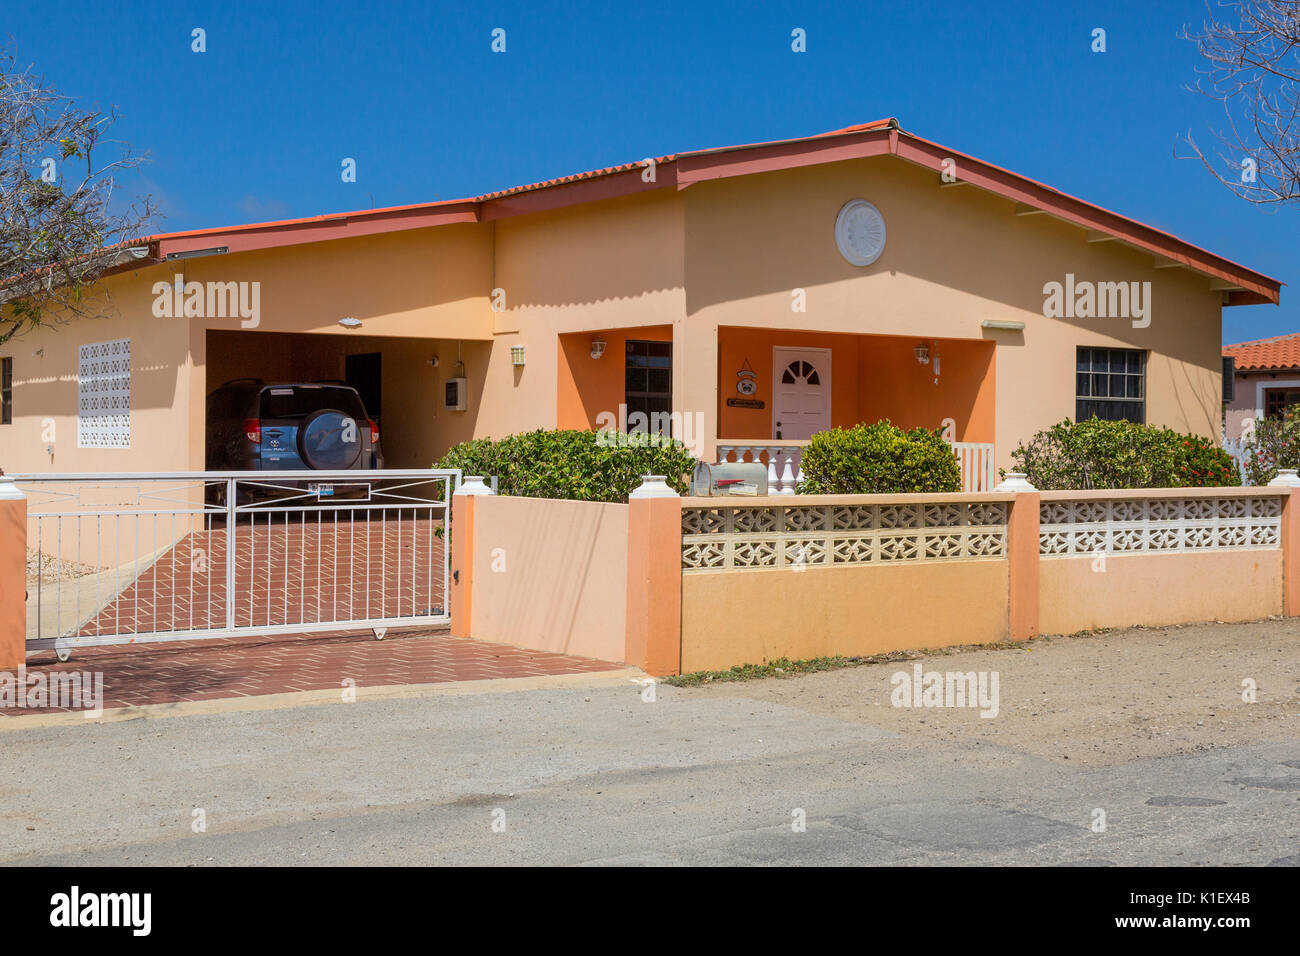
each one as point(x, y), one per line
point(329, 440)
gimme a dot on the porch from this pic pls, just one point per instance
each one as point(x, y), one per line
point(770, 390)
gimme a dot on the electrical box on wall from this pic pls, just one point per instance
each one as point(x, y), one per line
point(456, 389)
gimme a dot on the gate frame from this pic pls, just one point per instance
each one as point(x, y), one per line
point(231, 509)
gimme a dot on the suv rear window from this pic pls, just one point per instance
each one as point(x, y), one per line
point(298, 401)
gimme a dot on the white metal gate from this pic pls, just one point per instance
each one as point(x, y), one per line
point(126, 558)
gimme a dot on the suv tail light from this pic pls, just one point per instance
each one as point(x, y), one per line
point(253, 430)
point(374, 431)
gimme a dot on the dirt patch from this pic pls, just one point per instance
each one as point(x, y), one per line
point(43, 566)
point(1093, 699)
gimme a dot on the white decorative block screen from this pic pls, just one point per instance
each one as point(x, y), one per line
point(782, 536)
point(104, 394)
point(1126, 525)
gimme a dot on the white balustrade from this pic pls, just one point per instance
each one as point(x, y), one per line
point(784, 473)
point(785, 470)
point(975, 459)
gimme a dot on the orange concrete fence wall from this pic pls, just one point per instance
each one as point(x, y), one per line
point(829, 575)
point(543, 574)
point(709, 583)
point(1165, 556)
point(13, 575)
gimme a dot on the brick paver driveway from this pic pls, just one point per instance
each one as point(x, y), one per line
point(253, 666)
point(290, 568)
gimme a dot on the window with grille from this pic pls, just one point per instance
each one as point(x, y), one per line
point(1110, 384)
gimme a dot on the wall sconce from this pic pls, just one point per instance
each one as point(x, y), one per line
point(349, 322)
point(597, 347)
point(517, 355)
point(922, 353)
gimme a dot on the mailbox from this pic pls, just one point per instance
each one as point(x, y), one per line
point(730, 479)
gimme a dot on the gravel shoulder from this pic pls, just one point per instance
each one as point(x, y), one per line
point(1096, 699)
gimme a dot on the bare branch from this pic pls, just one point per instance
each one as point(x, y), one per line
point(61, 228)
point(1252, 67)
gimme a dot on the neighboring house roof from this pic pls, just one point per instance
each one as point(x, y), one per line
point(1239, 285)
point(1278, 352)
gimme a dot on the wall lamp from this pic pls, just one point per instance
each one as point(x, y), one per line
point(597, 347)
point(922, 353)
point(517, 355)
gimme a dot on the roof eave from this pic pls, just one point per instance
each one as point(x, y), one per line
point(1238, 284)
point(1255, 288)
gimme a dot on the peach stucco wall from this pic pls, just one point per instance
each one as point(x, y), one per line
point(615, 264)
point(742, 617)
point(1082, 593)
point(550, 575)
point(954, 257)
point(719, 256)
point(163, 376)
point(431, 287)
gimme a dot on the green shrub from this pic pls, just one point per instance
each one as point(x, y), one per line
point(1275, 444)
point(572, 464)
point(878, 459)
point(1104, 454)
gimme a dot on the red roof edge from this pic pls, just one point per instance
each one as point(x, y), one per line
point(1254, 287)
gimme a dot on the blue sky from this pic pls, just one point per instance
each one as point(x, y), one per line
point(256, 127)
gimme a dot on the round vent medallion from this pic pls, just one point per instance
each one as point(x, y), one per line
point(860, 232)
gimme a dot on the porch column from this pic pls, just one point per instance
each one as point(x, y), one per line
point(13, 575)
point(695, 384)
point(193, 386)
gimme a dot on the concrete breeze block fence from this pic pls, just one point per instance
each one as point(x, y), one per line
point(674, 585)
point(708, 583)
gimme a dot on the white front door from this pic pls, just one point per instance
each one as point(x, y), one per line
point(801, 392)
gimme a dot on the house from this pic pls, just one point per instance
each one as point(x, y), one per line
point(1265, 381)
point(755, 293)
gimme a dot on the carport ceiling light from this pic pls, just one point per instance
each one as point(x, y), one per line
point(349, 322)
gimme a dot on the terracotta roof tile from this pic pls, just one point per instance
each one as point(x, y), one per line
point(1280, 351)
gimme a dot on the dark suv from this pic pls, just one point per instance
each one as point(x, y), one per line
point(289, 427)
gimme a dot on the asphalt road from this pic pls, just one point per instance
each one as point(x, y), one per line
point(598, 775)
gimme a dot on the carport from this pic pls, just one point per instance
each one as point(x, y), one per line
point(399, 383)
